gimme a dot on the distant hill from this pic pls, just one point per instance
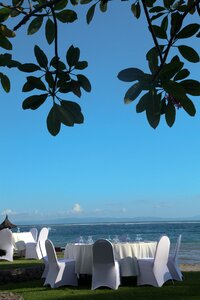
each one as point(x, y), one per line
point(86, 220)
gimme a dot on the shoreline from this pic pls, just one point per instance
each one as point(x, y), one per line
point(190, 267)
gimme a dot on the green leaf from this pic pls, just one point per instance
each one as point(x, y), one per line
point(5, 82)
point(61, 64)
point(27, 87)
point(159, 32)
point(175, 89)
point(181, 74)
point(29, 68)
point(189, 53)
point(49, 31)
point(188, 106)
point(72, 56)
point(49, 79)
point(154, 17)
point(168, 3)
point(41, 57)
point(170, 114)
point(152, 57)
point(191, 86)
point(85, 1)
point(74, 109)
point(103, 6)
point(143, 102)
point(153, 109)
point(5, 43)
point(130, 74)
point(136, 10)
point(81, 65)
point(133, 92)
point(35, 25)
point(176, 22)
point(5, 31)
point(75, 88)
point(156, 9)
point(4, 14)
point(90, 13)
point(64, 116)
point(170, 69)
point(84, 82)
point(36, 83)
point(188, 31)
point(53, 122)
point(35, 101)
point(66, 16)
point(164, 23)
point(61, 5)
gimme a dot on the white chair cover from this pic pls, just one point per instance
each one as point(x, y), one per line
point(105, 269)
point(45, 258)
point(59, 272)
point(34, 232)
point(6, 243)
point(173, 263)
point(33, 249)
point(154, 271)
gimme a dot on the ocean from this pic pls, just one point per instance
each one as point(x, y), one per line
point(61, 234)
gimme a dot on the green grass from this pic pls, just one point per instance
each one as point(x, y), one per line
point(19, 262)
point(188, 289)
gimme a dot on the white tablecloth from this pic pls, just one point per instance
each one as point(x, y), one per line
point(125, 253)
point(21, 238)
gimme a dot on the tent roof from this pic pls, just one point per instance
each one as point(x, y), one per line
point(7, 224)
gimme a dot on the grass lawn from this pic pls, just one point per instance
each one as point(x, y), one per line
point(188, 289)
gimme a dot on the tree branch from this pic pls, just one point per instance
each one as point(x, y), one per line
point(151, 30)
point(34, 13)
point(170, 43)
point(55, 49)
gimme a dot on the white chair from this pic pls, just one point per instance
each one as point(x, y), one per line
point(59, 273)
point(6, 244)
point(105, 269)
point(154, 271)
point(173, 264)
point(33, 249)
point(34, 232)
point(45, 258)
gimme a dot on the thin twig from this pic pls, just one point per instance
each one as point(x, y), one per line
point(33, 13)
point(151, 30)
point(55, 49)
point(170, 43)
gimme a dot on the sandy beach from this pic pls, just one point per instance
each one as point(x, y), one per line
point(190, 267)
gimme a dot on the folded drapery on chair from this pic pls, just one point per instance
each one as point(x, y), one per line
point(33, 249)
point(154, 271)
point(6, 244)
point(105, 269)
point(34, 233)
point(59, 272)
point(173, 263)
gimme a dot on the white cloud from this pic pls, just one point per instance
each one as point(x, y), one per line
point(8, 212)
point(77, 209)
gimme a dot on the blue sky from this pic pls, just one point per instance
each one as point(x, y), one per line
point(114, 165)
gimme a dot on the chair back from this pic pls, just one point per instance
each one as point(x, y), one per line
point(6, 243)
point(34, 233)
point(43, 234)
point(103, 252)
point(177, 247)
point(161, 254)
point(43, 249)
point(51, 253)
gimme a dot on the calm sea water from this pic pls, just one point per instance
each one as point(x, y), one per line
point(61, 234)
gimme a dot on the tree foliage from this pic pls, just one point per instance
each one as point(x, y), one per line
point(160, 92)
